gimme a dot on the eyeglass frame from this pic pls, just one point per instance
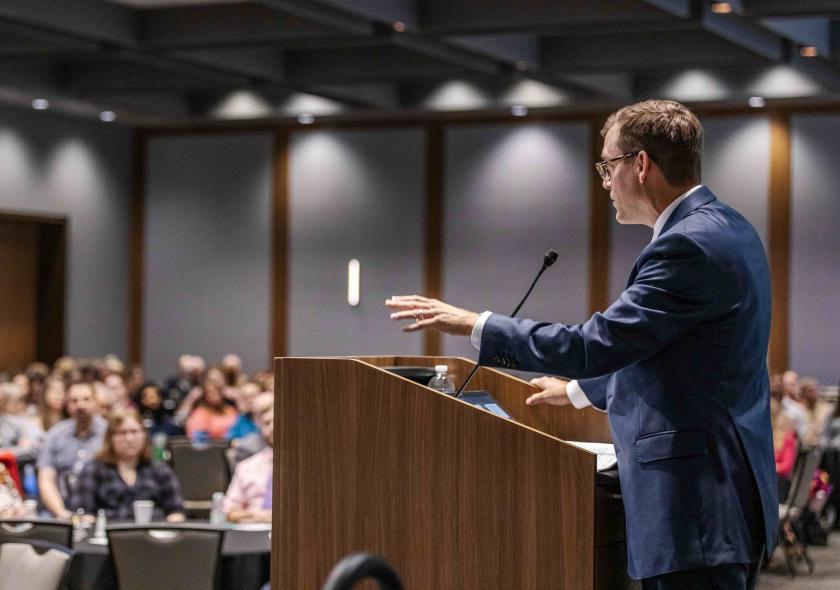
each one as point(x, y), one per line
point(602, 167)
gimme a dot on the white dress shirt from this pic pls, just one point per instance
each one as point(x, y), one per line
point(573, 389)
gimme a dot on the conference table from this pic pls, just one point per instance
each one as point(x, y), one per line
point(245, 560)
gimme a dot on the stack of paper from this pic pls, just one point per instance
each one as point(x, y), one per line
point(605, 453)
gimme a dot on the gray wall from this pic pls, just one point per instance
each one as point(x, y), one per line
point(354, 194)
point(511, 193)
point(207, 266)
point(52, 165)
point(736, 167)
point(815, 247)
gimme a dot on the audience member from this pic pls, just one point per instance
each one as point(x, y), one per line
point(816, 413)
point(784, 443)
point(253, 443)
point(11, 504)
point(52, 408)
point(68, 447)
point(248, 498)
point(790, 402)
point(231, 366)
point(18, 435)
point(123, 472)
point(15, 395)
point(177, 387)
point(119, 392)
point(245, 424)
point(149, 401)
point(212, 415)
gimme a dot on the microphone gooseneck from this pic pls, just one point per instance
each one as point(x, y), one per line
point(549, 259)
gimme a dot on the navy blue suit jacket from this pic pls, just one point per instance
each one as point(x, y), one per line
point(679, 364)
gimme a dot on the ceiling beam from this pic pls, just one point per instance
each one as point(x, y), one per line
point(746, 33)
point(763, 8)
point(322, 14)
point(639, 51)
point(86, 19)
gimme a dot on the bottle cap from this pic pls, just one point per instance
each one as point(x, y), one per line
point(441, 369)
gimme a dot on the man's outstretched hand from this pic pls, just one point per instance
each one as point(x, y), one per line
point(431, 313)
point(553, 392)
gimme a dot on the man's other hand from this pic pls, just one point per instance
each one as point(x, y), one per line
point(553, 392)
point(431, 313)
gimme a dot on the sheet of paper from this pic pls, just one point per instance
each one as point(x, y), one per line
point(605, 452)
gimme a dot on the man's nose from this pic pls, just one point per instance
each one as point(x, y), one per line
point(605, 182)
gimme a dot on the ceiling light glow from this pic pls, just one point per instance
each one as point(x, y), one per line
point(757, 102)
point(107, 116)
point(721, 7)
point(808, 51)
point(306, 118)
point(40, 104)
point(399, 26)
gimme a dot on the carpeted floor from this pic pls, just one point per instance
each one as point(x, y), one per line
point(826, 574)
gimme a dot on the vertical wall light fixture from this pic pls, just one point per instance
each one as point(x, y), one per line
point(353, 274)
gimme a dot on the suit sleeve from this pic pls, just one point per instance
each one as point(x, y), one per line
point(670, 295)
point(595, 389)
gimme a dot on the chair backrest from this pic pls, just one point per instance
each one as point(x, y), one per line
point(201, 470)
point(357, 567)
point(59, 533)
point(171, 557)
point(801, 486)
point(33, 565)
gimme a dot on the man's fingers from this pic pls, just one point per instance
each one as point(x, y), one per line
point(538, 398)
point(420, 324)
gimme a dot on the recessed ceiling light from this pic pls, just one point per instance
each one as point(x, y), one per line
point(306, 118)
point(808, 51)
point(107, 116)
point(40, 104)
point(519, 110)
point(721, 7)
point(399, 26)
point(757, 102)
point(521, 65)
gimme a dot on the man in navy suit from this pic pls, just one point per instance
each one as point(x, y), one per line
point(678, 361)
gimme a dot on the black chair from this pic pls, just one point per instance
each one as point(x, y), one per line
point(175, 557)
point(29, 564)
point(791, 510)
point(15, 529)
point(358, 566)
point(202, 470)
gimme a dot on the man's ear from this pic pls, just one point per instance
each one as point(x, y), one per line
point(642, 166)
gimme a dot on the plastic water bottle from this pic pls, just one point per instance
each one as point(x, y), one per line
point(442, 381)
point(217, 513)
point(159, 446)
point(30, 482)
point(101, 524)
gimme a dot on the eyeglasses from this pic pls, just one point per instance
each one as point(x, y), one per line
point(603, 167)
point(126, 433)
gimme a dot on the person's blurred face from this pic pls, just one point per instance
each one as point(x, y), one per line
point(54, 395)
point(150, 398)
point(790, 380)
point(809, 392)
point(116, 385)
point(213, 397)
point(128, 440)
point(247, 394)
point(22, 381)
point(215, 377)
point(81, 402)
point(266, 424)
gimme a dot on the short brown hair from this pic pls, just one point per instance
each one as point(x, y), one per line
point(115, 421)
point(667, 131)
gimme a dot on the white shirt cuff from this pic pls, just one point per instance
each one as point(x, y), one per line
point(478, 329)
point(576, 395)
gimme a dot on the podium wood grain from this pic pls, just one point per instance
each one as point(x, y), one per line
point(452, 496)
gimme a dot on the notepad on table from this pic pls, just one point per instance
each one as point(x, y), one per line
point(605, 452)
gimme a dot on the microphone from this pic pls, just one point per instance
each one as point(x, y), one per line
point(549, 259)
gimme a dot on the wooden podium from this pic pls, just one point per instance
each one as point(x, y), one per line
point(451, 495)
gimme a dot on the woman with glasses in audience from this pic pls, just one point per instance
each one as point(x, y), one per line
point(123, 472)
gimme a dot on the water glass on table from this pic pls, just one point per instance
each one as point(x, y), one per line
point(143, 511)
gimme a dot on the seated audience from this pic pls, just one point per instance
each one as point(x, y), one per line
point(231, 366)
point(212, 415)
point(245, 424)
point(68, 447)
point(52, 408)
point(791, 405)
point(189, 376)
point(11, 504)
point(123, 472)
point(253, 443)
point(784, 445)
point(817, 412)
point(18, 435)
point(248, 498)
point(118, 391)
point(149, 401)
